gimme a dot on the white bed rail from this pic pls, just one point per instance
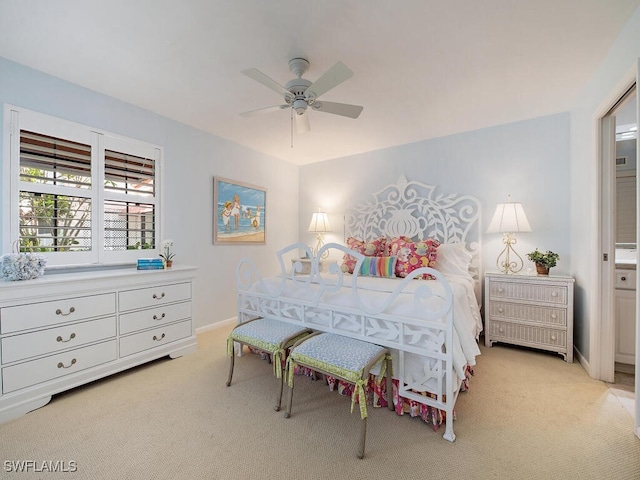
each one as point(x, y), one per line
point(414, 321)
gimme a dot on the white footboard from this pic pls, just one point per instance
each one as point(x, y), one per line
point(414, 319)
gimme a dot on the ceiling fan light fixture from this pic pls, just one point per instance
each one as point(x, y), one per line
point(300, 106)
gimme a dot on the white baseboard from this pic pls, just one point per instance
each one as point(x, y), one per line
point(215, 326)
point(583, 361)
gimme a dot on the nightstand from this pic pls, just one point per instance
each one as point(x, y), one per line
point(532, 311)
point(306, 265)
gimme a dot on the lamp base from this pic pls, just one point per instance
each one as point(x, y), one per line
point(504, 262)
point(319, 245)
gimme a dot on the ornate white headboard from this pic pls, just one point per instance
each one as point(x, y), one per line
point(415, 210)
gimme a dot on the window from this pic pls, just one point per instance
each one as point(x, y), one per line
point(77, 195)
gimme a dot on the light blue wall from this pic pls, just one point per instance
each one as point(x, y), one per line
point(191, 159)
point(529, 160)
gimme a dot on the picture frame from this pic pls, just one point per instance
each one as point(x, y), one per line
point(239, 213)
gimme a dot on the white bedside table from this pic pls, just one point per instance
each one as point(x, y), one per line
point(533, 311)
point(306, 265)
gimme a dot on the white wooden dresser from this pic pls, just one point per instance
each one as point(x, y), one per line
point(533, 311)
point(66, 329)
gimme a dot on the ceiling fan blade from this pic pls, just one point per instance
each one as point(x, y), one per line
point(331, 78)
point(302, 123)
point(343, 109)
point(260, 111)
point(258, 76)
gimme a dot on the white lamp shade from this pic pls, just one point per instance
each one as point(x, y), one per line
point(509, 218)
point(319, 223)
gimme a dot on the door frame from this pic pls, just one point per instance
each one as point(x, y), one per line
point(602, 331)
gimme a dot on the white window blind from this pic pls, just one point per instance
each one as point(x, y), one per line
point(129, 174)
point(54, 161)
point(83, 196)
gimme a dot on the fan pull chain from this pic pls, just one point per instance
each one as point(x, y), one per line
point(291, 127)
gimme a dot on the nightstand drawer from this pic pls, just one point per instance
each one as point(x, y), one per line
point(305, 265)
point(529, 292)
point(549, 316)
point(527, 335)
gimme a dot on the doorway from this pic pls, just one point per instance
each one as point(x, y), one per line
point(619, 232)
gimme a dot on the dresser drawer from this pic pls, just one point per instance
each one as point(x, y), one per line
point(527, 335)
point(154, 296)
point(149, 339)
point(45, 314)
point(543, 315)
point(52, 340)
point(153, 317)
point(530, 292)
point(48, 368)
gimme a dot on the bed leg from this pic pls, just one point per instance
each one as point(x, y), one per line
point(448, 433)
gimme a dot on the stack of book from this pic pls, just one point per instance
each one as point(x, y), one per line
point(150, 264)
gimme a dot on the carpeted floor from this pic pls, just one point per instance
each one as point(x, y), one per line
point(528, 415)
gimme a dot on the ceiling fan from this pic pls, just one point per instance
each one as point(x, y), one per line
point(300, 94)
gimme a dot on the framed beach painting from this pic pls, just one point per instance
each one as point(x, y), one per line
point(239, 212)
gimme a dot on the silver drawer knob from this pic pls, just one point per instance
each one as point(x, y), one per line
point(500, 310)
point(501, 330)
point(554, 316)
point(553, 337)
point(500, 290)
point(554, 294)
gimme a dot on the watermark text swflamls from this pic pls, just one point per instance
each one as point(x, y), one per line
point(39, 466)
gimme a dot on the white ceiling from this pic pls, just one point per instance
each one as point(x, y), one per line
point(422, 68)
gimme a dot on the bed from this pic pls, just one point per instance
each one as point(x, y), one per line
point(407, 278)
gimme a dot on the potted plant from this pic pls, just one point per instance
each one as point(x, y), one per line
point(167, 255)
point(544, 261)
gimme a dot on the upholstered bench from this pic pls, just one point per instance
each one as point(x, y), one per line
point(273, 337)
point(344, 358)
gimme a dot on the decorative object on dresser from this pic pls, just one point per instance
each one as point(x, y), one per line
point(530, 311)
point(509, 219)
point(167, 255)
point(544, 261)
point(52, 340)
point(319, 224)
point(150, 264)
point(21, 265)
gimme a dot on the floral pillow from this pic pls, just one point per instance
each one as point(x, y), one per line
point(413, 255)
point(375, 248)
